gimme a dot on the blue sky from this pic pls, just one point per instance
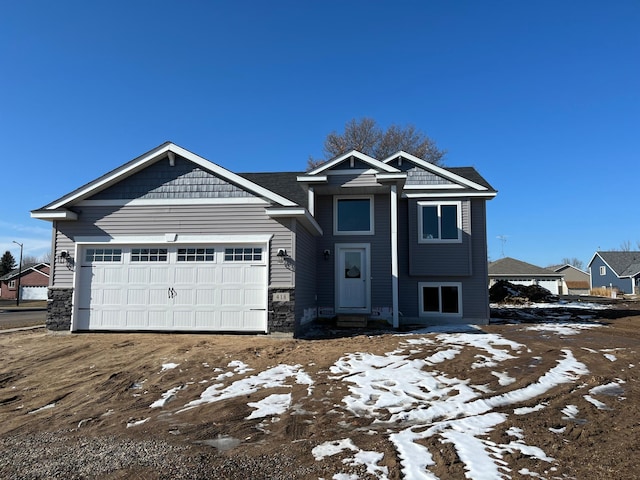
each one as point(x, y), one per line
point(542, 98)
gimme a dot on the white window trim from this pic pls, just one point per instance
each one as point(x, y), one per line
point(371, 230)
point(603, 270)
point(12, 284)
point(458, 205)
point(422, 313)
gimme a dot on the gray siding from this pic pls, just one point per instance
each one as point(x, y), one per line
point(474, 279)
point(418, 176)
point(360, 180)
point(380, 251)
point(440, 259)
point(160, 180)
point(182, 219)
point(610, 278)
point(306, 256)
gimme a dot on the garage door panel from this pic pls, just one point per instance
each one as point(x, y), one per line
point(209, 293)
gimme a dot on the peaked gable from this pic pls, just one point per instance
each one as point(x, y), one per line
point(421, 173)
point(364, 161)
point(624, 264)
point(166, 152)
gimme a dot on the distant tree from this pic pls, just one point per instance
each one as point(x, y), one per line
point(366, 136)
point(7, 263)
point(29, 260)
point(574, 262)
point(625, 246)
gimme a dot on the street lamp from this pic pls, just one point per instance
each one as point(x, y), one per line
point(19, 274)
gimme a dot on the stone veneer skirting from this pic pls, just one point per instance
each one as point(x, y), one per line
point(282, 316)
point(59, 309)
point(281, 313)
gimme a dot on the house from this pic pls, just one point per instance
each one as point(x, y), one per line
point(523, 273)
point(171, 241)
point(34, 280)
point(574, 280)
point(618, 270)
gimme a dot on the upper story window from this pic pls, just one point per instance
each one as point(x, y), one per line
point(439, 222)
point(353, 215)
point(12, 284)
point(603, 270)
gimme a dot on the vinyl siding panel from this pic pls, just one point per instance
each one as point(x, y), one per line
point(380, 242)
point(474, 277)
point(182, 219)
point(440, 258)
point(305, 256)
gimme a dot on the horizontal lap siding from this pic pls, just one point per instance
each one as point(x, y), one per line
point(380, 242)
point(306, 256)
point(183, 219)
point(444, 258)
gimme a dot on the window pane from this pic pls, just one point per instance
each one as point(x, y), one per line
point(449, 222)
point(449, 299)
point(353, 215)
point(430, 299)
point(352, 267)
point(430, 222)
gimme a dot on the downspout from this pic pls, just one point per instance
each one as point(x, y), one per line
point(394, 256)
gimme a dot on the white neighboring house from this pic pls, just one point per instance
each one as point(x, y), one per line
point(522, 273)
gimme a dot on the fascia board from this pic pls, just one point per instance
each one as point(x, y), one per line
point(435, 169)
point(301, 214)
point(312, 178)
point(391, 176)
point(54, 215)
point(157, 154)
point(455, 186)
point(464, 194)
point(180, 239)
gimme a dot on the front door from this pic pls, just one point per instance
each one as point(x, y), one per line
point(352, 278)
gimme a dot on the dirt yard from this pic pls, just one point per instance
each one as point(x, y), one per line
point(553, 398)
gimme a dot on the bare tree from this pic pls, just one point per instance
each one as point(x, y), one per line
point(625, 246)
point(366, 136)
point(574, 262)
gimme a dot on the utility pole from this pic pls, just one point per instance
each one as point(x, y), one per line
point(19, 273)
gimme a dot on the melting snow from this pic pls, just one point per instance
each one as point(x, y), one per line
point(168, 366)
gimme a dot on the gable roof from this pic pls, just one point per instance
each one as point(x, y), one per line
point(464, 176)
point(624, 264)
point(370, 161)
point(25, 269)
point(511, 267)
point(166, 150)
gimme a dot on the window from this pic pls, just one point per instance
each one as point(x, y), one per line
point(603, 270)
point(242, 254)
point(439, 222)
point(103, 255)
point(440, 299)
point(148, 254)
point(196, 255)
point(12, 284)
point(353, 215)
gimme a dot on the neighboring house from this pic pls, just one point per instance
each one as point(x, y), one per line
point(170, 241)
point(522, 273)
point(618, 270)
point(574, 281)
point(34, 280)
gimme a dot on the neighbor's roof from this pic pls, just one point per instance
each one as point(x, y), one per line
point(511, 267)
point(624, 264)
point(25, 269)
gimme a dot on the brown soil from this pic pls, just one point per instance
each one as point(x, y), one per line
point(99, 383)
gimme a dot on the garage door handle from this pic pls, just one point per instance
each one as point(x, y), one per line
point(172, 293)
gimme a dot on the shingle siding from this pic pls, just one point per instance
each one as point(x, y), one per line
point(162, 181)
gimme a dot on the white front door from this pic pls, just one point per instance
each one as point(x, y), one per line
point(352, 278)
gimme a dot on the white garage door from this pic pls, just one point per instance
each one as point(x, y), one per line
point(178, 287)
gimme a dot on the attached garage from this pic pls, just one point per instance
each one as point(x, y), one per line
point(215, 287)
